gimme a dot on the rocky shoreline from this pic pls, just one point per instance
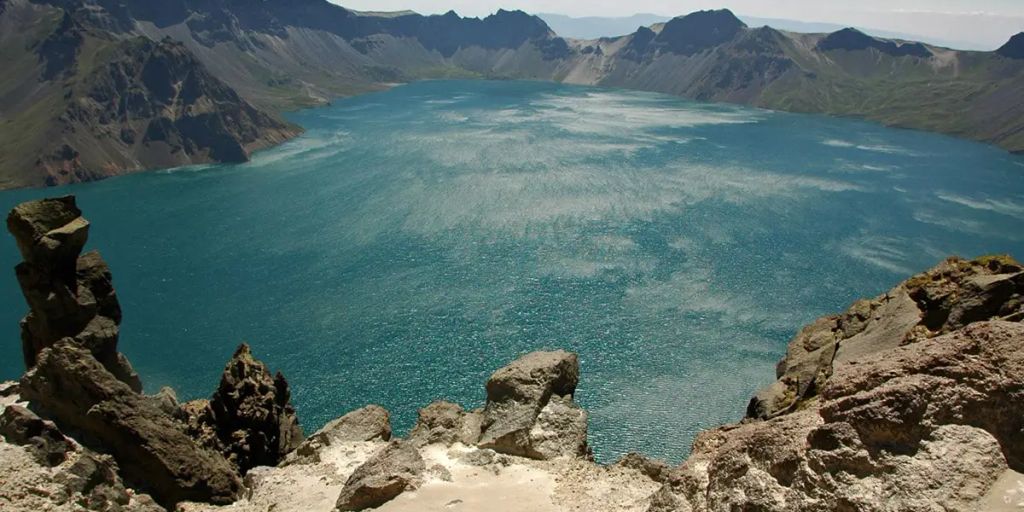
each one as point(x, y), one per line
point(909, 401)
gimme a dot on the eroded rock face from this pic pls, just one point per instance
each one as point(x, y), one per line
point(389, 472)
point(151, 448)
point(941, 300)
point(21, 426)
point(512, 420)
point(250, 418)
point(442, 422)
point(69, 296)
point(908, 428)
point(371, 423)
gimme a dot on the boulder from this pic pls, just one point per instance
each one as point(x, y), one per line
point(370, 423)
point(251, 414)
point(657, 470)
point(516, 396)
point(941, 300)
point(21, 426)
point(151, 448)
point(932, 423)
point(388, 473)
point(69, 296)
point(440, 422)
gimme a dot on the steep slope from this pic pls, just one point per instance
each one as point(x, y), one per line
point(711, 55)
point(87, 104)
point(292, 53)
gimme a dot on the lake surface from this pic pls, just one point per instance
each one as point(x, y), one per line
point(413, 241)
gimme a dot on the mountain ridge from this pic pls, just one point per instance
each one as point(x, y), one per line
point(278, 56)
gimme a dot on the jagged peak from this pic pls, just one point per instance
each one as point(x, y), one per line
point(1014, 48)
point(700, 30)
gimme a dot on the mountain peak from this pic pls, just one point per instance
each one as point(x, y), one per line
point(851, 39)
point(700, 30)
point(1014, 48)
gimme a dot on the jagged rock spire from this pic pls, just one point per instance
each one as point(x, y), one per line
point(69, 296)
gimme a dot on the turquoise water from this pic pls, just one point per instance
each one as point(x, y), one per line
point(413, 241)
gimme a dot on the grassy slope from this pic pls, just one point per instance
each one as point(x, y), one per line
point(959, 99)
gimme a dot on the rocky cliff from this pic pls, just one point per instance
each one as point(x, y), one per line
point(909, 401)
point(87, 102)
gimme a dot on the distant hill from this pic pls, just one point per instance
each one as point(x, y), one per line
point(94, 88)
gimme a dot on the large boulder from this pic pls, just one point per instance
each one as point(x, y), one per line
point(70, 386)
point(370, 423)
point(388, 473)
point(250, 418)
point(529, 410)
point(941, 300)
point(69, 296)
point(925, 425)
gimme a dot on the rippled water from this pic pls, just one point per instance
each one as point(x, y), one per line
point(415, 240)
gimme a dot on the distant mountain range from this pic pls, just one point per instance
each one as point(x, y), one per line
point(94, 88)
point(594, 27)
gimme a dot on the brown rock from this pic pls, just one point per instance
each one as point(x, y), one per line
point(928, 424)
point(371, 423)
point(516, 395)
point(439, 422)
point(945, 298)
point(46, 442)
point(251, 414)
point(149, 446)
point(389, 472)
point(67, 295)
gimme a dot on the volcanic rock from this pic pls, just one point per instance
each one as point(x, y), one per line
point(151, 448)
point(371, 423)
point(251, 414)
point(943, 299)
point(21, 426)
point(389, 472)
point(68, 295)
point(517, 394)
point(907, 428)
point(440, 422)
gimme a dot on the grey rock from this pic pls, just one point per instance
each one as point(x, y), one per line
point(370, 423)
point(929, 423)
point(388, 473)
point(945, 298)
point(516, 395)
point(664, 500)
point(560, 430)
point(440, 422)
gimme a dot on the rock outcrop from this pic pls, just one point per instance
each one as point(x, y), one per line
point(23, 427)
point(941, 300)
point(911, 428)
point(445, 423)
point(69, 296)
point(70, 386)
point(250, 418)
point(529, 410)
point(371, 423)
point(391, 471)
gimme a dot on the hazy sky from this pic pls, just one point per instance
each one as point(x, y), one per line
point(985, 22)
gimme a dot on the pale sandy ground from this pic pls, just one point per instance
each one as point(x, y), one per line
point(1007, 495)
point(509, 484)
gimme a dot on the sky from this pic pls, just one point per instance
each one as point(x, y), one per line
point(985, 23)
